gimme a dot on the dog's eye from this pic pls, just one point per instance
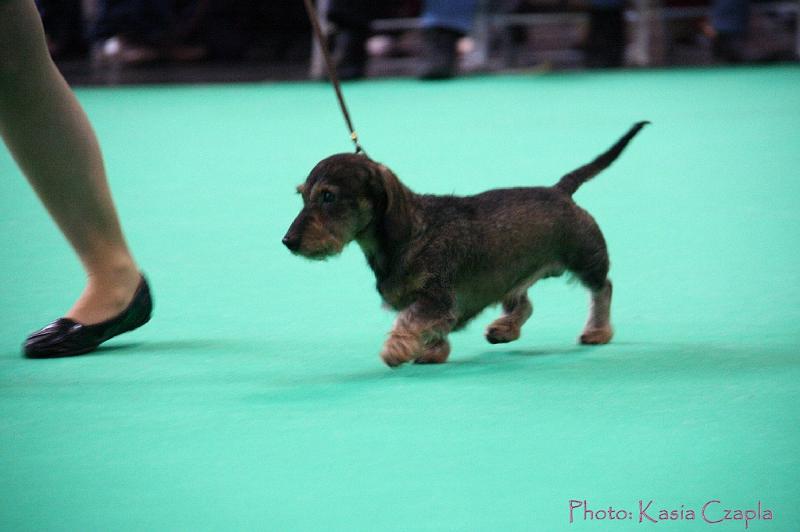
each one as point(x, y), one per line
point(328, 197)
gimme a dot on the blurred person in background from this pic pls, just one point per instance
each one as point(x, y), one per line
point(729, 20)
point(141, 31)
point(277, 30)
point(66, 30)
point(606, 41)
point(444, 23)
point(730, 24)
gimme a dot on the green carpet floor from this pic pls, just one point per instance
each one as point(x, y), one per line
point(255, 399)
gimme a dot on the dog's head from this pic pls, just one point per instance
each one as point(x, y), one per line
point(343, 196)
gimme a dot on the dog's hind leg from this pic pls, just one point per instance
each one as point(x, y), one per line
point(517, 309)
point(589, 262)
point(598, 327)
point(593, 276)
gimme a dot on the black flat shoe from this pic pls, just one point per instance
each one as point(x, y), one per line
point(65, 337)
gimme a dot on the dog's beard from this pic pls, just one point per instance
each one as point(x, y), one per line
point(331, 248)
point(319, 255)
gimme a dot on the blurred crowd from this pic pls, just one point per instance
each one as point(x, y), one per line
point(144, 31)
point(445, 22)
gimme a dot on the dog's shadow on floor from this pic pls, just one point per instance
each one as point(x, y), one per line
point(486, 362)
point(340, 386)
point(498, 361)
point(495, 357)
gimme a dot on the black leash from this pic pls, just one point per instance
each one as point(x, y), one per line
point(312, 15)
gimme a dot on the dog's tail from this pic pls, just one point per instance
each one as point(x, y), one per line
point(573, 180)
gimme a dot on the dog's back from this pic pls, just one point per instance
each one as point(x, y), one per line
point(504, 240)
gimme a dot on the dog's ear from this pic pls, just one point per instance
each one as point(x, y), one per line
point(394, 211)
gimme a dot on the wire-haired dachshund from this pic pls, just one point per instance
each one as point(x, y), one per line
point(441, 260)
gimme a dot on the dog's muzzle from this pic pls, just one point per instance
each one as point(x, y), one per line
point(294, 235)
point(292, 242)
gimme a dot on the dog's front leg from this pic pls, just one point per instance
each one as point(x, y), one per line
point(434, 352)
point(420, 334)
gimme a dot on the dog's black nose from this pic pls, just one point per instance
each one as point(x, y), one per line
point(293, 243)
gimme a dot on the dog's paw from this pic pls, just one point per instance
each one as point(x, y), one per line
point(398, 350)
point(434, 354)
point(596, 336)
point(500, 332)
point(391, 360)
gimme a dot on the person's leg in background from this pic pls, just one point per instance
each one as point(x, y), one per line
point(444, 22)
point(51, 139)
point(729, 19)
point(127, 30)
point(352, 19)
point(141, 31)
point(605, 46)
